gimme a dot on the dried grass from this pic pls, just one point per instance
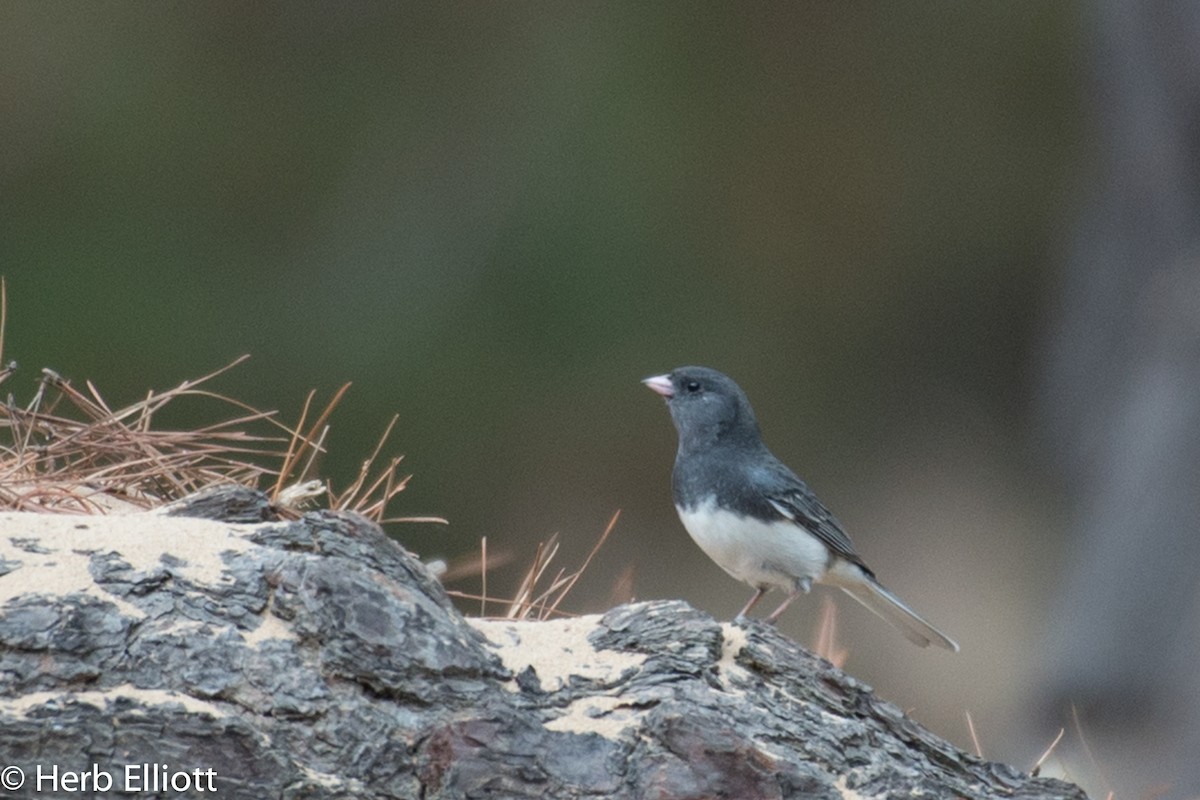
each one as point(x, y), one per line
point(536, 598)
point(68, 451)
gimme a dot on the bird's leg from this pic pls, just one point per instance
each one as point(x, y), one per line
point(787, 601)
point(802, 587)
point(758, 595)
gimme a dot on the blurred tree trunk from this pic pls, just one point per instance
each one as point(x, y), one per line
point(1121, 404)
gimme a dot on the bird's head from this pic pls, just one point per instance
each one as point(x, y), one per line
point(706, 406)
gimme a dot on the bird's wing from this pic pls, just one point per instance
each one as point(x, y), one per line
point(792, 498)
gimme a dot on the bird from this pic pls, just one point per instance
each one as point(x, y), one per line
point(753, 516)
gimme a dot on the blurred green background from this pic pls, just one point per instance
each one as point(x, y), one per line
point(495, 219)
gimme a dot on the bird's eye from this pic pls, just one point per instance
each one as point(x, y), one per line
point(693, 386)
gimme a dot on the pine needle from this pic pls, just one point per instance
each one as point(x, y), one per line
point(974, 736)
point(1037, 766)
point(827, 646)
point(535, 597)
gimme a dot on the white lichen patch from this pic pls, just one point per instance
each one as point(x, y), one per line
point(556, 649)
point(54, 551)
point(271, 627)
point(733, 639)
point(604, 715)
point(21, 706)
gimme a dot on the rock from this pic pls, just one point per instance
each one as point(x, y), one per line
point(317, 658)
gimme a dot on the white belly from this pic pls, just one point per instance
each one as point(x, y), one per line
point(760, 553)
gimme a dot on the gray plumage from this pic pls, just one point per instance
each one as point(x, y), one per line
point(752, 515)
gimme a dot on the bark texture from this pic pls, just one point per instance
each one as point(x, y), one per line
point(319, 659)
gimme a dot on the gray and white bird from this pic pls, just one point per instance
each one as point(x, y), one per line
point(753, 516)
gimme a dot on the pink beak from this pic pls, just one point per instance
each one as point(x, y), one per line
point(661, 384)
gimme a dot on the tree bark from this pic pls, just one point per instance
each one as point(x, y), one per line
point(319, 659)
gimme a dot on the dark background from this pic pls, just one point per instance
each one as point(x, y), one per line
point(495, 219)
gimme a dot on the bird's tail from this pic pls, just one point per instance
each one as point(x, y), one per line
point(893, 610)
